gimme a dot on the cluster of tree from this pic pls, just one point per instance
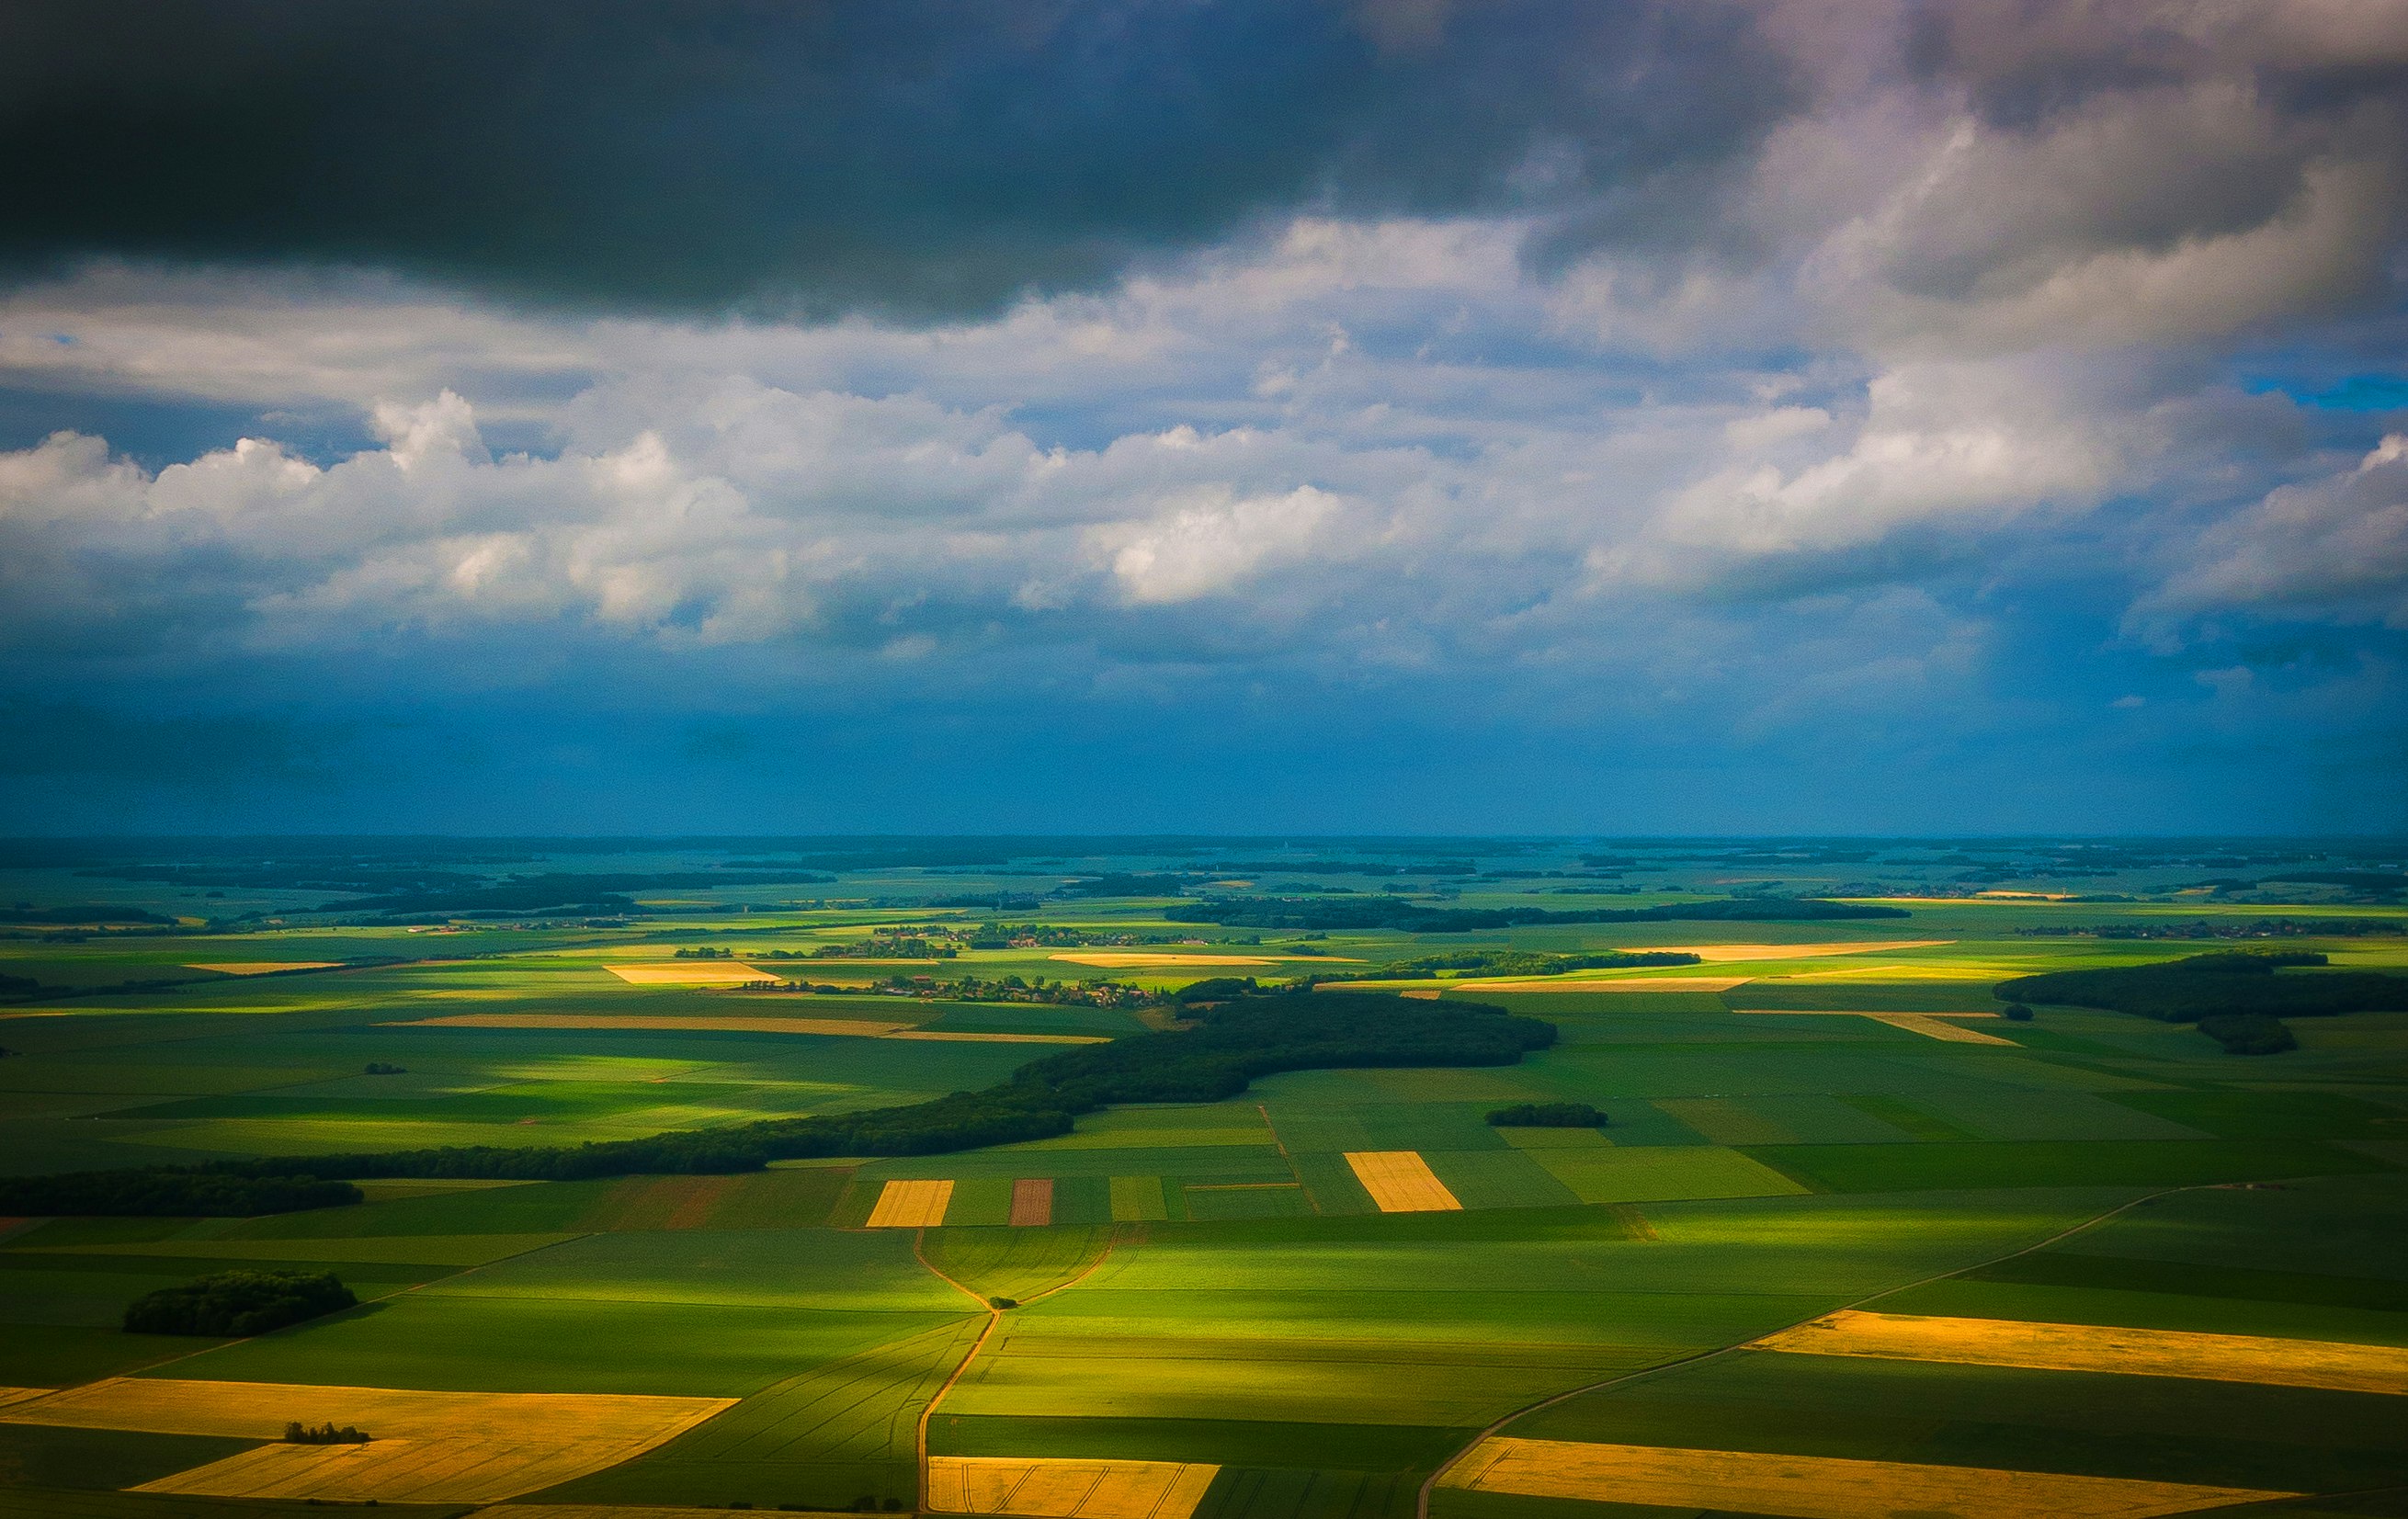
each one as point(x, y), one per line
point(2381, 884)
point(385, 1067)
point(1548, 1115)
point(571, 891)
point(26, 912)
point(2228, 981)
point(1341, 867)
point(1063, 994)
point(239, 1303)
point(1378, 912)
point(1125, 885)
point(2249, 1033)
point(2231, 928)
point(705, 952)
point(888, 947)
point(173, 1192)
point(1228, 1046)
point(1214, 989)
point(1018, 936)
point(297, 1433)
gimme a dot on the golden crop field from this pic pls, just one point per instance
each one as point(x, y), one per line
point(1576, 983)
point(689, 973)
point(1400, 1181)
point(2082, 1347)
point(605, 1510)
point(1067, 1489)
point(912, 1205)
point(948, 1037)
point(426, 1447)
point(1722, 953)
point(1816, 1487)
point(1141, 959)
point(1936, 1025)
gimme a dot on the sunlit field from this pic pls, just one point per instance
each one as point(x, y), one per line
point(1856, 1233)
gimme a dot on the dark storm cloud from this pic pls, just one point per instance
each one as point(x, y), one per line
point(909, 155)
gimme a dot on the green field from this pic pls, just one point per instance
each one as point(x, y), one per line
point(1211, 1281)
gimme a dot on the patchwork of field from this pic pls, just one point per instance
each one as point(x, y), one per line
point(1067, 1489)
point(428, 1446)
point(1847, 1244)
point(2079, 1347)
point(1817, 1487)
point(689, 973)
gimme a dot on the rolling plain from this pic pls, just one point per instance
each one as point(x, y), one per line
point(1849, 1243)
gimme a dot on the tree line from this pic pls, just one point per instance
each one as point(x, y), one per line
point(1384, 912)
point(1228, 1045)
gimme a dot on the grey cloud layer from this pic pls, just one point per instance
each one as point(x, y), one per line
point(1791, 373)
point(914, 156)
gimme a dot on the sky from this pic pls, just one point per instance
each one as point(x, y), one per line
point(1420, 416)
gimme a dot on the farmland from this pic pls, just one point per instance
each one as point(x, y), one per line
point(1849, 1234)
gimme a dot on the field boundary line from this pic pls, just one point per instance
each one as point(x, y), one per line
point(994, 1322)
point(1430, 1484)
point(404, 1292)
point(1281, 1145)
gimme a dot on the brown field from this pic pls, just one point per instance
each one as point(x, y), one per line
point(1815, 1487)
point(1399, 1181)
point(19, 1395)
point(912, 1205)
point(1032, 1201)
point(689, 973)
point(1067, 1489)
point(261, 968)
point(428, 1447)
point(2082, 1347)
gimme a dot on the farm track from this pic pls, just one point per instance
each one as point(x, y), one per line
point(1430, 1484)
point(994, 1321)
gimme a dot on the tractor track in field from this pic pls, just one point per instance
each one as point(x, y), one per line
point(994, 1321)
point(1430, 1484)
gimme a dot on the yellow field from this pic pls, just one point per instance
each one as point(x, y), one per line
point(998, 1039)
point(2082, 1347)
point(1581, 983)
point(428, 1447)
point(608, 1511)
point(1137, 959)
point(854, 1027)
point(1816, 1487)
point(261, 968)
point(19, 1395)
point(1935, 1028)
point(1720, 954)
point(912, 1205)
point(1935, 1025)
point(1399, 1181)
point(689, 973)
point(1067, 1489)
